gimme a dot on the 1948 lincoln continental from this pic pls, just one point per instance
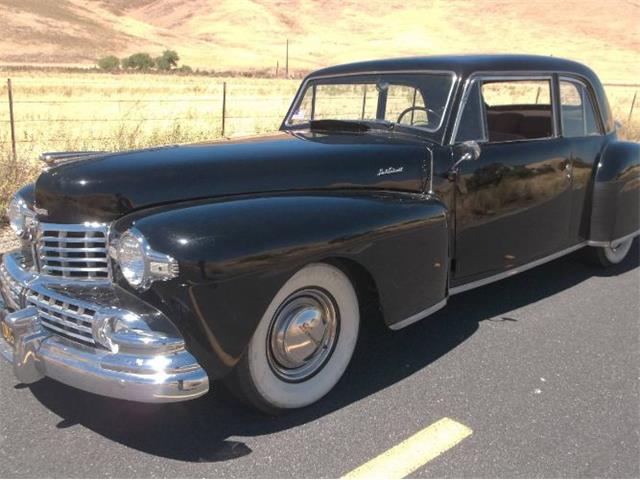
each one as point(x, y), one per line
point(145, 275)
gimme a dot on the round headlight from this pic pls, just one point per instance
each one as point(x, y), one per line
point(16, 214)
point(139, 263)
point(131, 258)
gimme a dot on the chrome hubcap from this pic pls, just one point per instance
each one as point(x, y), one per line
point(302, 335)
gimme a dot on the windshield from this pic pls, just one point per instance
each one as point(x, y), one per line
point(416, 100)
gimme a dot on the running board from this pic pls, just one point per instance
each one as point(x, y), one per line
point(479, 283)
point(501, 276)
point(418, 316)
point(514, 271)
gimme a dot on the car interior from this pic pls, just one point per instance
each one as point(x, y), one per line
point(518, 122)
point(517, 110)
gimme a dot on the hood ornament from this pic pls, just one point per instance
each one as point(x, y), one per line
point(52, 158)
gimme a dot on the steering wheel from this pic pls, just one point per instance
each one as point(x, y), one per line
point(428, 111)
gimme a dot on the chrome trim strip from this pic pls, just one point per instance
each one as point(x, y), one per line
point(599, 243)
point(430, 192)
point(514, 271)
point(418, 316)
point(466, 91)
point(299, 94)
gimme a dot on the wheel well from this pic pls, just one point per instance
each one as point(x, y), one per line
point(365, 286)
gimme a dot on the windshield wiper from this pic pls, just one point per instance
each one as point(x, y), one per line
point(338, 125)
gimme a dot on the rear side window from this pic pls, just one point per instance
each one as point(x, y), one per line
point(517, 109)
point(577, 112)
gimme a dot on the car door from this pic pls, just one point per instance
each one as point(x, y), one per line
point(512, 204)
point(582, 128)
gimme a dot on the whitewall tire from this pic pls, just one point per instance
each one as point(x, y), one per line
point(612, 254)
point(303, 342)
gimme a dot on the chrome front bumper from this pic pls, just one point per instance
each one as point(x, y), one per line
point(144, 376)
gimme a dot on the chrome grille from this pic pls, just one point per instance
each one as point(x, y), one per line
point(73, 251)
point(63, 317)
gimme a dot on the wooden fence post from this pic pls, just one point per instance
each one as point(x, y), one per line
point(633, 102)
point(11, 120)
point(224, 106)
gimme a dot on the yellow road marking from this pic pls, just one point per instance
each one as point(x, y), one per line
point(414, 452)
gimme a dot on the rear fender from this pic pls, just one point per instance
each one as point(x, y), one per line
point(615, 211)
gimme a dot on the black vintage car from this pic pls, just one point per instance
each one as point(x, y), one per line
point(145, 275)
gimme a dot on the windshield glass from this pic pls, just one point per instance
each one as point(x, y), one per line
point(417, 100)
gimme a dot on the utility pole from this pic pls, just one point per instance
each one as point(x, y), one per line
point(286, 68)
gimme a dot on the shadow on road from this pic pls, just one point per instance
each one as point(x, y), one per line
point(199, 431)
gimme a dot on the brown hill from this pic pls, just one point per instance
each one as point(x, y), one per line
point(251, 34)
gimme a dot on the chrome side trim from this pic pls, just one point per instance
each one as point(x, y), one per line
point(514, 271)
point(598, 243)
point(418, 316)
point(430, 192)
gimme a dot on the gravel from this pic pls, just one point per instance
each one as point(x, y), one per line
point(8, 240)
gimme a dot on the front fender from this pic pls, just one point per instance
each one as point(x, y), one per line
point(615, 211)
point(235, 254)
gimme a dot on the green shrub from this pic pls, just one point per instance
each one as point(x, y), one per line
point(109, 63)
point(139, 61)
point(163, 64)
point(171, 57)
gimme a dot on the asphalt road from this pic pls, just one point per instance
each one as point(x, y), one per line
point(543, 367)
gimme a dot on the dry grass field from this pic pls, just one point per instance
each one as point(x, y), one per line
point(89, 111)
point(69, 111)
point(94, 112)
point(251, 34)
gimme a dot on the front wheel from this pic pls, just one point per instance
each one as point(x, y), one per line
point(612, 254)
point(303, 342)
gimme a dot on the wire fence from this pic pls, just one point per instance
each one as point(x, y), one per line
point(213, 115)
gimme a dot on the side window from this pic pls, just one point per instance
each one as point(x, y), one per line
point(571, 109)
point(577, 112)
point(517, 109)
point(471, 126)
point(401, 97)
point(590, 115)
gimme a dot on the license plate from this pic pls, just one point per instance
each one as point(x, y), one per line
point(7, 334)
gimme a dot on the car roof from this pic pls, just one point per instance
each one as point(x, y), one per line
point(466, 65)
point(462, 65)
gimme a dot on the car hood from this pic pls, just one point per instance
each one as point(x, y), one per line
point(106, 187)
